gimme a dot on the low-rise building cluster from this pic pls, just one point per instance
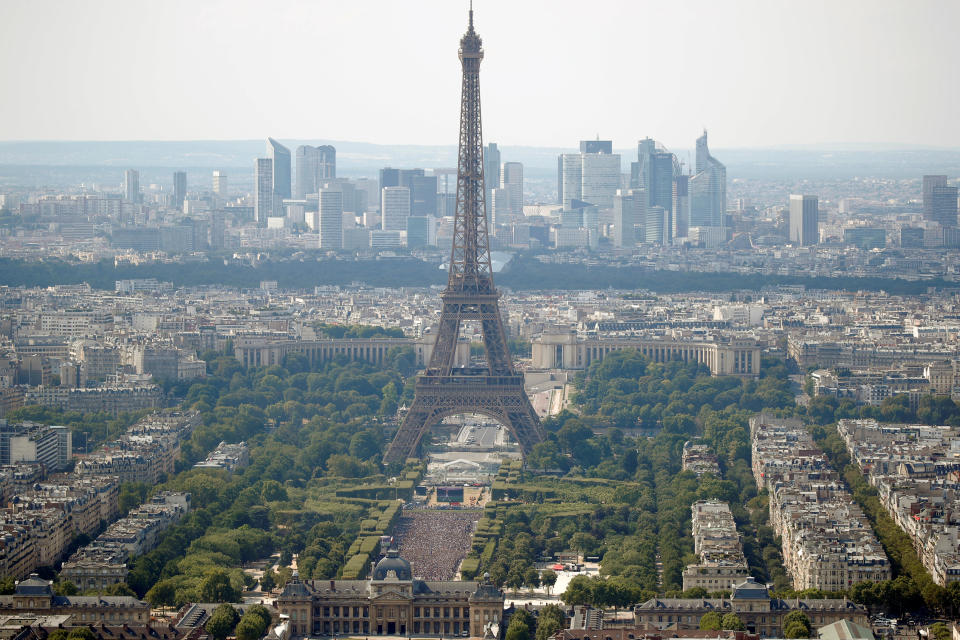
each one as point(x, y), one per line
point(827, 542)
point(699, 459)
point(228, 457)
point(916, 471)
point(716, 541)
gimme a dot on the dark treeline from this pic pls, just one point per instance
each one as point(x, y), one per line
point(523, 273)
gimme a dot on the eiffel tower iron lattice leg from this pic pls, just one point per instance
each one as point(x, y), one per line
point(495, 389)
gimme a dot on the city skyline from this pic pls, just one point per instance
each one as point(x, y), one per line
point(869, 85)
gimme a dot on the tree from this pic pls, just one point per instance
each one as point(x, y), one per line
point(216, 587)
point(253, 625)
point(65, 588)
point(81, 633)
point(269, 580)
point(548, 578)
point(940, 631)
point(58, 634)
point(579, 592)
point(521, 625)
point(119, 589)
point(162, 594)
point(796, 624)
point(549, 621)
point(531, 578)
point(710, 621)
point(262, 612)
point(7, 585)
point(222, 621)
point(732, 622)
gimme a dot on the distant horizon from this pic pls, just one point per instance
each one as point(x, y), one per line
point(787, 146)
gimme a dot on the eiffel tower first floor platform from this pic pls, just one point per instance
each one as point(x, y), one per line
point(501, 398)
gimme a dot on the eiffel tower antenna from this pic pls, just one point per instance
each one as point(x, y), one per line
point(495, 389)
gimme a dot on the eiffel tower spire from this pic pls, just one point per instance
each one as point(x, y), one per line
point(495, 389)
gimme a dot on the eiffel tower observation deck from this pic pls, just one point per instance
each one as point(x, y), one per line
point(495, 389)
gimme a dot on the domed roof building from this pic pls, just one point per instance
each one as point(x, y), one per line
point(391, 602)
point(392, 566)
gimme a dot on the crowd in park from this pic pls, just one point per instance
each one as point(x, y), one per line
point(434, 541)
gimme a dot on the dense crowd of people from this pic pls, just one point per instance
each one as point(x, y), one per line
point(435, 541)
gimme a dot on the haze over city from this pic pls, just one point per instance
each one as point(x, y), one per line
point(755, 73)
point(482, 320)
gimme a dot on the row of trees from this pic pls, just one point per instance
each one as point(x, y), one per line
point(310, 432)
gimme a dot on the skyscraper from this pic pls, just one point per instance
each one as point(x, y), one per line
point(939, 201)
point(281, 168)
point(624, 219)
point(653, 172)
point(599, 177)
point(593, 175)
point(131, 185)
point(943, 202)
point(330, 218)
point(512, 182)
point(220, 182)
point(570, 178)
point(681, 206)
point(596, 146)
point(929, 183)
point(708, 189)
point(314, 166)
point(263, 195)
point(390, 177)
point(804, 220)
point(179, 189)
point(418, 231)
point(491, 174)
point(423, 196)
point(394, 208)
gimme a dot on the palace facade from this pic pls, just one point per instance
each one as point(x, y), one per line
point(391, 602)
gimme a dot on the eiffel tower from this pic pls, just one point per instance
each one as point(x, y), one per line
point(496, 389)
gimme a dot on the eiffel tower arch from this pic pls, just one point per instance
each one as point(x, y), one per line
point(495, 389)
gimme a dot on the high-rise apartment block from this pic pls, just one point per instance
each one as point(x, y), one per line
point(131, 185)
point(330, 218)
point(263, 196)
point(281, 168)
point(220, 183)
point(394, 208)
point(708, 189)
point(804, 220)
point(179, 189)
point(314, 166)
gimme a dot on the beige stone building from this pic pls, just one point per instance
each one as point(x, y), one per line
point(391, 602)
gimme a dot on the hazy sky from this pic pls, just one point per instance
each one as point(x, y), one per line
point(755, 73)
